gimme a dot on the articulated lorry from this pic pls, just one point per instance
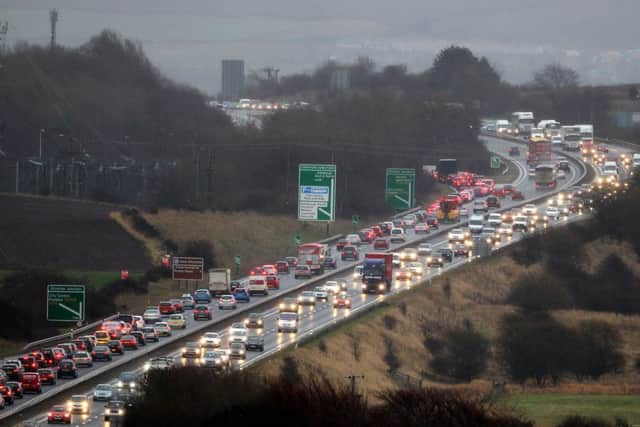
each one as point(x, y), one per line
point(377, 272)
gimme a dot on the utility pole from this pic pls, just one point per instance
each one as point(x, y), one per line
point(353, 379)
point(53, 19)
point(40, 144)
point(17, 176)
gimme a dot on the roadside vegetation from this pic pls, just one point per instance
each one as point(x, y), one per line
point(555, 315)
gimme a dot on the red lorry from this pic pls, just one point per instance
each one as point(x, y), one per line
point(539, 151)
point(377, 272)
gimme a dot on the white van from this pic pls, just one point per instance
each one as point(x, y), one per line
point(476, 222)
point(258, 285)
point(635, 160)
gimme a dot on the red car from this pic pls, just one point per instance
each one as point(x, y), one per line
point(499, 192)
point(341, 244)
point(129, 342)
point(256, 271)
point(47, 376)
point(421, 227)
point(177, 305)
point(381, 244)
point(342, 300)
point(58, 414)
point(29, 363)
point(39, 358)
point(517, 195)
point(166, 307)
point(603, 148)
point(377, 230)
point(292, 261)
point(31, 382)
point(282, 267)
point(269, 269)
point(273, 282)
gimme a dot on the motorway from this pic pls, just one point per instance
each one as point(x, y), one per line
point(312, 319)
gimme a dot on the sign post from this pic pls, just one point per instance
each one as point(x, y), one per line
point(65, 303)
point(297, 239)
point(237, 260)
point(316, 192)
point(495, 162)
point(187, 268)
point(400, 191)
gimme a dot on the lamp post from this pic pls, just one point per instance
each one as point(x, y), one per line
point(40, 143)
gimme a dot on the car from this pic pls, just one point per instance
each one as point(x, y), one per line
point(127, 381)
point(235, 284)
point(30, 381)
point(150, 316)
point(163, 362)
point(307, 298)
point(114, 411)
point(177, 321)
point(6, 394)
point(16, 388)
point(517, 195)
point(238, 336)
point(321, 293)
point(560, 174)
point(58, 414)
point(29, 363)
point(292, 261)
point(353, 240)
point(493, 202)
point(288, 304)
point(425, 249)
point(396, 260)
point(273, 281)
point(255, 321)
point(103, 392)
point(507, 217)
point(332, 286)
point(514, 151)
point(458, 235)
point(302, 271)
point(254, 343)
point(531, 172)
point(404, 274)
point(258, 285)
point(342, 300)
point(380, 243)
point(39, 357)
point(330, 262)
point(202, 296)
point(282, 267)
point(88, 342)
point(409, 254)
point(421, 228)
point(212, 359)
point(416, 268)
point(47, 376)
point(433, 222)
point(101, 352)
point(83, 358)
point(150, 334)
point(529, 209)
point(78, 404)
point(191, 349)
point(116, 347)
point(13, 371)
point(49, 355)
point(129, 342)
point(505, 230)
point(495, 219)
point(227, 301)
point(210, 340)
point(166, 308)
point(257, 271)
point(397, 235)
point(139, 337)
point(288, 322)
point(237, 326)
point(480, 206)
point(128, 320)
point(520, 223)
point(341, 244)
point(350, 253)
point(553, 212)
point(237, 350)
point(460, 249)
point(357, 272)
point(188, 302)
point(269, 269)
point(201, 312)
point(66, 369)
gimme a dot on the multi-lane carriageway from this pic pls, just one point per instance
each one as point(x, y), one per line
point(312, 319)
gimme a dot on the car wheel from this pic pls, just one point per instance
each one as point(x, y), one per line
point(279, 330)
point(39, 391)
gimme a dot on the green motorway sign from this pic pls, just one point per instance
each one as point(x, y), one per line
point(297, 239)
point(400, 191)
point(237, 260)
point(355, 219)
point(65, 303)
point(316, 192)
point(495, 162)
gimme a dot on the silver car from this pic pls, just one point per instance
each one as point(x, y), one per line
point(238, 351)
point(212, 359)
point(307, 298)
point(210, 340)
point(83, 358)
point(227, 302)
point(320, 292)
point(103, 392)
point(163, 329)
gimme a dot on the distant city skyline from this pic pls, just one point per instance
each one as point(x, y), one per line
point(188, 40)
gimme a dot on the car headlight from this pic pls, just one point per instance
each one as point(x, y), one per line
point(147, 366)
point(120, 384)
point(184, 350)
point(132, 384)
point(381, 287)
point(120, 411)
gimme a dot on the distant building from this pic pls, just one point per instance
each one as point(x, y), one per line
point(232, 79)
point(340, 79)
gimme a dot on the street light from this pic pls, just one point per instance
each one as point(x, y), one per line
point(40, 139)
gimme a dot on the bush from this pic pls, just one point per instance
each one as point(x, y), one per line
point(389, 322)
point(322, 346)
point(390, 357)
point(539, 292)
point(202, 249)
point(463, 355)
point(580, 421)
point(597, 350)
point(528, 251)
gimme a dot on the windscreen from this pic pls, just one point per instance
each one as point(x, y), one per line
point(377, 269)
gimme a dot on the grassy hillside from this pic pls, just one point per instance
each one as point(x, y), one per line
point(65, 234)
point(476, 300)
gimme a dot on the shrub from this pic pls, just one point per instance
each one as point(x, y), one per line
point(322, 346)
point(539, 292)
point(580, 421)
point(463, 355)
point(597, 350)
point(528, 251)
point(403, 308)
point(389, 322)
point(390, 357)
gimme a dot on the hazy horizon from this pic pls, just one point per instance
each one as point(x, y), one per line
point(187, 40)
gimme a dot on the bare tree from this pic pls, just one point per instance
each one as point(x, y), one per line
point(555, 76)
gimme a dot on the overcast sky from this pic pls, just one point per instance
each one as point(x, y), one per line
point(188, 38)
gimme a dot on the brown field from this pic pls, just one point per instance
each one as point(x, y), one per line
point(65, 234)
point(478, 291)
